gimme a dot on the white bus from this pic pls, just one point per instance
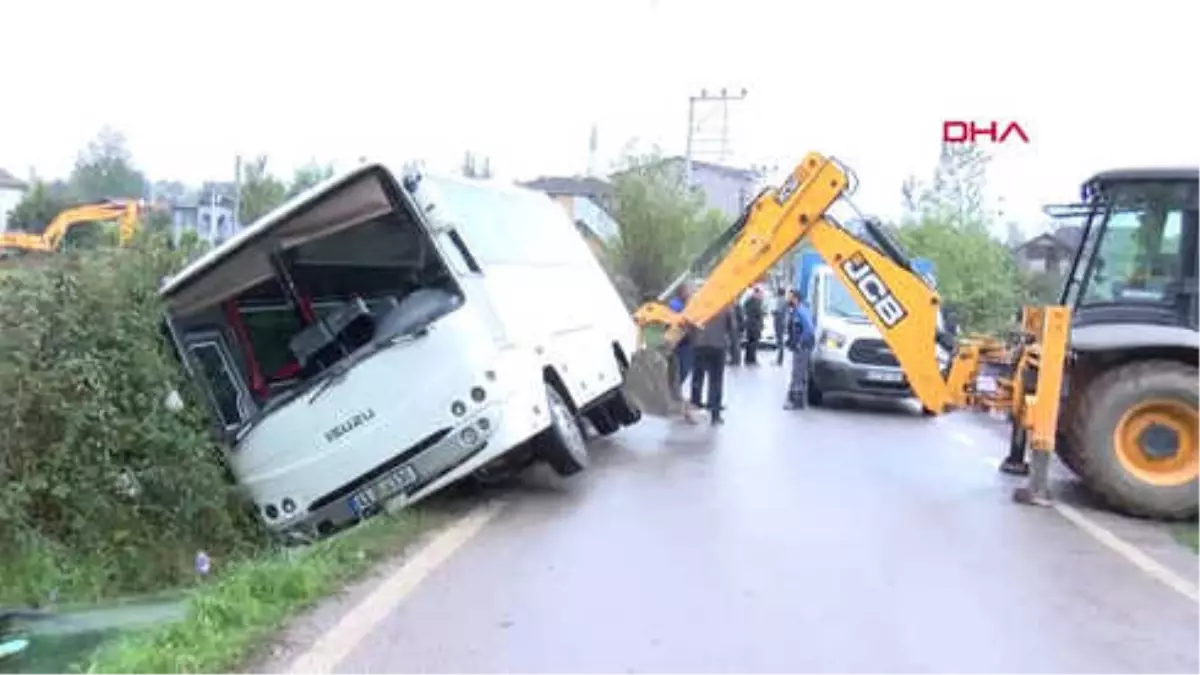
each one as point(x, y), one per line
point(375, 340)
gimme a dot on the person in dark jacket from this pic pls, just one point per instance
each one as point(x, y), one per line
point(684, 351)
point(755, 313)
point(801, 340)
point(711, 344)
point(779, 317)
point(739, 326)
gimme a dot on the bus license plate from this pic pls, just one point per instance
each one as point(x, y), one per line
point(393, 482)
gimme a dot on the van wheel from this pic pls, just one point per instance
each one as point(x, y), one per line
point(562, 446)
point(815, 395)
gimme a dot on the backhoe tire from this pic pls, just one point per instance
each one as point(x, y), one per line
point(1107, 448)
point(563, 445)
point(1067, 453)
point(1067, 450)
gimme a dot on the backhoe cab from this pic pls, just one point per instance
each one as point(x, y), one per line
point(1127, 424)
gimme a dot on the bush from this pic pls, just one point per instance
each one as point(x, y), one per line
point(975, 273)
point(103, 491)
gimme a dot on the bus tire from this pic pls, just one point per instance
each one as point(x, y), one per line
point(563, 445)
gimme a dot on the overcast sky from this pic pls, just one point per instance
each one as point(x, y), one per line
point(193, 84)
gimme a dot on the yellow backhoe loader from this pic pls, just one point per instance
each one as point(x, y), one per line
point(1107, 377)
point(126, 213)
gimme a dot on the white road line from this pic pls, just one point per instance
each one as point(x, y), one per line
point(1129, 552)
point(335, 645)
point(1123, 548)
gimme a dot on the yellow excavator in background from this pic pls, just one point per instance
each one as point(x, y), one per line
point(1124, 372)
point(126, 213)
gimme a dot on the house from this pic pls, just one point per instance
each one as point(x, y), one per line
point(588, 201)
point(725, 188)
point(1049, 251)
point(209, 213)
point(12, 191)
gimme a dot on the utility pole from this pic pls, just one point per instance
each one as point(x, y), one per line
point(722, 99)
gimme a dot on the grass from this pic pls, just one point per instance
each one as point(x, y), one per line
point(1187, 534)
point(229, 618)
point(47, 575)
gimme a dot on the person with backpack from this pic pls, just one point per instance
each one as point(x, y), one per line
point(801, 340)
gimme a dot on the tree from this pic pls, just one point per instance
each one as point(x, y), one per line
point(307, 176)
point(1041, 288)
point(472, 168)
point(662, 225)
point(946, 221)
point(956, 190)
point(260, 192)
point(105, 170)
point(37, 208)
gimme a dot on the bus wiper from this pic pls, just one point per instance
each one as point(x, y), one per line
point(337, 372)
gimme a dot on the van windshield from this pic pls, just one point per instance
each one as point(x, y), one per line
point(840, 303)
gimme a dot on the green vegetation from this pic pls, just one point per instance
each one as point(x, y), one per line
point(663, 226)
point(946, 222)
point(245, 605)
point(103, 490)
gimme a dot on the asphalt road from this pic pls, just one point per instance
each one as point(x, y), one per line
point(852, 539)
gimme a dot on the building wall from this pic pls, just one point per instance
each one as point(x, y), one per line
point(724, 191)
point(1043, 256)
point(9, 198)
point(213, 225)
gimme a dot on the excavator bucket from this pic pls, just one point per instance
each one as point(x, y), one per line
point(652, 380)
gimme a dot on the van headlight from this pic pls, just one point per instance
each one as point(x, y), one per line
point(831, 339)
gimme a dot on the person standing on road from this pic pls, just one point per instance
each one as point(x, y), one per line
point(711, 344)
point(755, 314)
point(735, 345)
point(801, 340)
point(684, 351)
point(779, 319)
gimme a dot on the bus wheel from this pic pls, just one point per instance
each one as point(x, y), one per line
point(562, 446)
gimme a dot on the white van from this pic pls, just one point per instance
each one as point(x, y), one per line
point(850, 357)
point(374, 340)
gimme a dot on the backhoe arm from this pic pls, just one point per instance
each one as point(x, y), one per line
point(125, 213)
point(774, 223)
point(902, 306)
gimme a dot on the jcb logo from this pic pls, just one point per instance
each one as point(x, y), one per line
point(877, 294)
